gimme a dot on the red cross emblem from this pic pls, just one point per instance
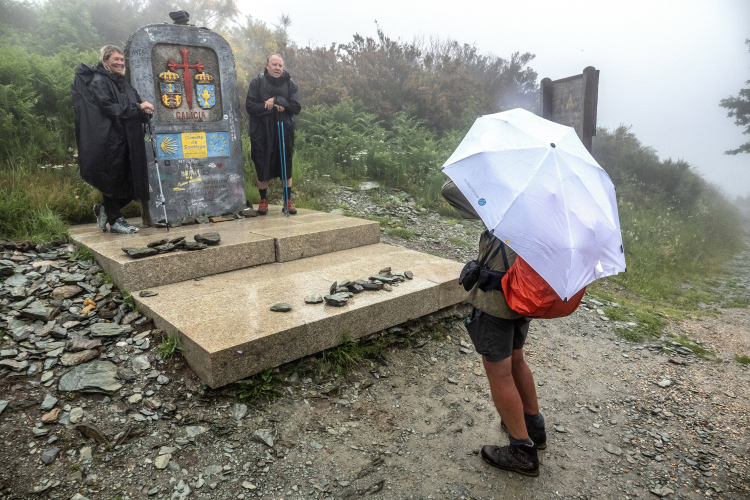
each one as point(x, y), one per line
point(186, 75)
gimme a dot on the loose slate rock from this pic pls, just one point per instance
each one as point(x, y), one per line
point(208, 238)
point(49, 402)
point(337, 299)
point(109, 330)
point(140, 252)
point(76, 358)
point(95, 376)
point(65, 292)
point(314, 298)
point(76, 344)
point(409, 275)
point(50, 455)
point(38, 310)
point(148, 293)
point(614, 450)
point(281, 307)
point(194, 245)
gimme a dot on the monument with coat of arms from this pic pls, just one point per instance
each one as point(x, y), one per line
point(195, 150)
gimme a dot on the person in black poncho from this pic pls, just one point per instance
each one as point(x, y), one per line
point(109, 131)
point(272, 96)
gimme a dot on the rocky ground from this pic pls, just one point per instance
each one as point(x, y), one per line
point(90, 410)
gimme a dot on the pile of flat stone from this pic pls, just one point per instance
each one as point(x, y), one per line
point(341, 292)
point(202, 241)
point(63, 321)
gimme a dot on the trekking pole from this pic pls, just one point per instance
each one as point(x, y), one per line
point(160, 200)
point(282, 147)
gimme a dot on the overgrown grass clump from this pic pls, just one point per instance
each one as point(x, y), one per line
point(170, 346)
point(260, 386)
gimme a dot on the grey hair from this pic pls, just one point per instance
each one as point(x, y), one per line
point(268, 59)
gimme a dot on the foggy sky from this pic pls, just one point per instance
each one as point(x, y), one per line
point(665, 64)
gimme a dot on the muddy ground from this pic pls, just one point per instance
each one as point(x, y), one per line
point(624, 420)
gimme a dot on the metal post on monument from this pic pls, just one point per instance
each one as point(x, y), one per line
point(282, 151)
point(160, 201)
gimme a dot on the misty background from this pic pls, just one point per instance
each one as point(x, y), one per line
point(665, 64)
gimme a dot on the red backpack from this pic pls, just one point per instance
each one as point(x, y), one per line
point(527, 293)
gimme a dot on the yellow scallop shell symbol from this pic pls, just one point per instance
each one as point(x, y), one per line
point(168, 146)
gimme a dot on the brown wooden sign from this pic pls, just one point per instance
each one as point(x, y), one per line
point(572, 102)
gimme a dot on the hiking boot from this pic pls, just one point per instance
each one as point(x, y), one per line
point(539, 436)
point(121, 226)
point(289, 208)
point(520, 459)
point(262, 207)
point(101, 217)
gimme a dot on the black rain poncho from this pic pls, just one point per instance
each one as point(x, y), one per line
point(263, 122)
point(109, 133)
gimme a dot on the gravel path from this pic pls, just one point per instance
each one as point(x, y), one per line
point(624, 420)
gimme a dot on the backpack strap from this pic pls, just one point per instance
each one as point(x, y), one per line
point(505, 257)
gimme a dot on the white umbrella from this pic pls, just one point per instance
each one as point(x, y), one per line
point(538, 189)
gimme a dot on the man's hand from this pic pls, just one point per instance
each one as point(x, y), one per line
point(269, 104)
point(280, 109)
point(147, 107)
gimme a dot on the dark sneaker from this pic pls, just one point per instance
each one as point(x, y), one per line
point(539, 436)
point(520, 459)
point(122, 227)
point(289, 208)
point(262, 207)
point(101, 217)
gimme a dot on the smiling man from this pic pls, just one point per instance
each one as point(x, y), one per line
point(272, 98)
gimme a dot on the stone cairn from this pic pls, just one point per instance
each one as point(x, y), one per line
point(202, 241)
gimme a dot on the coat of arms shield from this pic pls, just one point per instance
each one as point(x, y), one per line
point(171, 89)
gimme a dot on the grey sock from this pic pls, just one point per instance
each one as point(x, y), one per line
point(534, 421)
point(521, 442)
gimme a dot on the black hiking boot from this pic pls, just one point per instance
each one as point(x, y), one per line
point(520, 459)
point(539, 436)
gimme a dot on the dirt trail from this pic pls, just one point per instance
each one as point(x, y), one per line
point(624, 420)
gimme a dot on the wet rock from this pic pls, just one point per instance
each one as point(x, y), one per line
point(16, 366)
point(208, 238)
point(167, 247)
point(49, 456)
point(237, 411)
point(264, 436)
point(148, 293)
point(52, 417)
point(281, 307)
point(65, 292)
point(37, 310)
point(95, 376)
point(409, 275)
point(138, 253)
point(333, 287)
point(337, 299)
point(49, 402)
point(194, 245)
point(76, 344)
point(76, 358)
point(314, 298)
point(109, 330)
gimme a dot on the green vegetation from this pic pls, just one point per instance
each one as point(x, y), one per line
point(261, 386)
point(170, 346)
point(82, 253)
point(400, 232)
point(745, 360)
point(698, 350)
point(739, 108)
point(127, 298)
point(459, 242)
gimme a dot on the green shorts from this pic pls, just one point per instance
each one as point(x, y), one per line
point(496, 338)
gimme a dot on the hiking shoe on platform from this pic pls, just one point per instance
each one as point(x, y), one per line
point(289, 208)
point(121, 226)
point(262, 207)
point(539, 436)
point(101, 217)
point(520, 459)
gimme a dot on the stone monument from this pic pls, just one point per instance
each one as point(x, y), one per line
point(195, 150)
point(572, 101)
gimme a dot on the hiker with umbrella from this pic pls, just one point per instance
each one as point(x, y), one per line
point(272, 102)
point(543, 198)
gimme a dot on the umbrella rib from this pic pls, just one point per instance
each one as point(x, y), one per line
point(567, 220)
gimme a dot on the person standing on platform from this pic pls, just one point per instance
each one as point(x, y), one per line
point(273, 97)
point(109, 132)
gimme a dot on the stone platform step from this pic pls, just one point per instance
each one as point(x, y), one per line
point(229, 333)
point(244, 243)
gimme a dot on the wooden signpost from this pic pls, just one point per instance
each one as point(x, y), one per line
point(572, 101)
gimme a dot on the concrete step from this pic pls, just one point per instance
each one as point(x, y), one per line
point(229, 333)
point(244, 243)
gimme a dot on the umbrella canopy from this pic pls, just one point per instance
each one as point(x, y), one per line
point(538, 189)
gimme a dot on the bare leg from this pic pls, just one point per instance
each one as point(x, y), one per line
point(524, 382)
point(262, 185)
point(506, 396)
